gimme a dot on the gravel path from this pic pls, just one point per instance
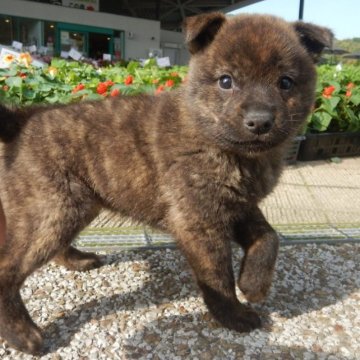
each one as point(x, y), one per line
point(144, 305)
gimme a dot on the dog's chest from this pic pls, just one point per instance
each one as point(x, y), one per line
point(258, 178)
point(230, 180)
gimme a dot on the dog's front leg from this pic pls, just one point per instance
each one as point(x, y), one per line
point(208, 249)
point(260, 243)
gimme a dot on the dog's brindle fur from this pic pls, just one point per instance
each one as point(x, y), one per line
point(188, 162)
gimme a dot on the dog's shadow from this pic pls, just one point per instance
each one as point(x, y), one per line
point(302, 284)
point(158, 288)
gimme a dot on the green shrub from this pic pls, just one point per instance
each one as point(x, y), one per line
point(69, 81)
point(337, 106)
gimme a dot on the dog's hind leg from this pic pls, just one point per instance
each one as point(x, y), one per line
point(74, 259)
point(35, 234)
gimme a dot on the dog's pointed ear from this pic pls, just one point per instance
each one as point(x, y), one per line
point(201, 30)
point(314, 38)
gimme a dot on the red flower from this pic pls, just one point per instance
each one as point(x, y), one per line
point(108, 83)
point(155, 81)
point(128, 80)
point(101, 88)
point(160, 89)
point(350, 86)
point(174, 74)
point(5, 88)
point(78, 88)
point(348, 93)
point(328, 91)
point(115, 92)
point(169, 83)
point(22, 75)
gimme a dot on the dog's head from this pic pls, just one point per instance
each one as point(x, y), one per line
point(252, 78)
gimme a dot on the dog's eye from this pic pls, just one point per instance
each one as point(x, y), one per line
point(225, 82)
point(286, 83)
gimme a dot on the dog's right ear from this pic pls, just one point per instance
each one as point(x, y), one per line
point(201, 30)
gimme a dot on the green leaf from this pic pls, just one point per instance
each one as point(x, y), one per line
point(334, 101)
point(355, 99)
point(15, 81)
point(52, 99)
point(94, 97)
point(29, 94)
point(320, 121)
point(45, 87)
point(329, 105)
point(132, 66)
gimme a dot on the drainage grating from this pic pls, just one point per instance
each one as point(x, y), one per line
point(143, 238)
point(298, 234)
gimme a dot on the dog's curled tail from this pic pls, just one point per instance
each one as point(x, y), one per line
point(11, 122)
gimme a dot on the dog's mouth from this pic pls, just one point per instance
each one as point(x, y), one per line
point(254, 143)
point(242, 141)
point(257, 145)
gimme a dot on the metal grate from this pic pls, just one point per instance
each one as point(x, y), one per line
point(143, 238)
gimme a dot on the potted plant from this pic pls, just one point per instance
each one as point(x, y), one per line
point(333, 128)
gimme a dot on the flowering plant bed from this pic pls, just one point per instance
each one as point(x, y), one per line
point(333, 128)
point(337, 106)
point(65, 82)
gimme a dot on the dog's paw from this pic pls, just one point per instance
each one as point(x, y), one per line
point(28, 339)
point(254, 287)
point(90, 261)
point(76, 260)
point(243, 320)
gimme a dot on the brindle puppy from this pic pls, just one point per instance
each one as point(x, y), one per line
point(194, 162)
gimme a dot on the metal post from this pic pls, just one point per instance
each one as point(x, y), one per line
point(301, 10)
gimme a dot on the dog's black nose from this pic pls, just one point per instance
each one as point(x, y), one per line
point(259, 122)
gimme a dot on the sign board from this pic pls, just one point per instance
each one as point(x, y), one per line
point(91, 5)
point(74, 54)
point(107, 57)
point(64, 54)
point(17, 45)
point(43, 50)
point(163, 61)
point(32, 49)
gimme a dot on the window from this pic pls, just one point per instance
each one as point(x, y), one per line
point(6, 30)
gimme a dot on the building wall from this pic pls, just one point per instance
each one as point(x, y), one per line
point(140, 34)
point(172, 42)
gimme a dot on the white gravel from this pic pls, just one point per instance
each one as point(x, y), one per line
point(145, 305)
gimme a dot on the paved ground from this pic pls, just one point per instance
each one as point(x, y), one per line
point(317, 192)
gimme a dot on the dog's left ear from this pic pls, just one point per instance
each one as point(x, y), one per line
point(314, 38)
point(201, 30)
